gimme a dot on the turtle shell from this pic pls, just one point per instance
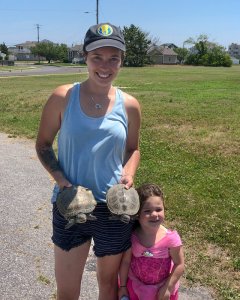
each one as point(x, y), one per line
point(74, 200)
point(122, 201)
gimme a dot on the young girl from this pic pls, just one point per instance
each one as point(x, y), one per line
point(151, 269)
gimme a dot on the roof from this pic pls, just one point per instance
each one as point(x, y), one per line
point(167, 51)
point(159, 50)
point(76, 48)
point(27, 44)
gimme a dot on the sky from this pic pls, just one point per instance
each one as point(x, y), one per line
point(173, 21)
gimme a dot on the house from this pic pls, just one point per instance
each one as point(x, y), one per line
point(162, 55)
point(75, 54)
point(235, 60)
point(2, 55)
point(23, 51)
point(234, 50)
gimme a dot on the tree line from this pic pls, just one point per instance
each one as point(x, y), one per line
point(202, 53)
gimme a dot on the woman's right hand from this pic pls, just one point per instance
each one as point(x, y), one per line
point(64, 183)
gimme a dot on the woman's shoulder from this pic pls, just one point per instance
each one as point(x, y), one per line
point(129, 100)
point(62, 90)
point(59, 96)
point(132, 107)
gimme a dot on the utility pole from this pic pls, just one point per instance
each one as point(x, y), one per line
point(38, 27)
point(97, 11)
point(38, 32)
point(88, 12)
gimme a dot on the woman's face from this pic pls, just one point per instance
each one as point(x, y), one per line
point(104, 64)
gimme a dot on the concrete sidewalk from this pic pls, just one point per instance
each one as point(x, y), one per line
point(27, 263)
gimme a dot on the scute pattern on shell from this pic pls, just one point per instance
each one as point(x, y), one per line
point(121, 201)
point(75, 204)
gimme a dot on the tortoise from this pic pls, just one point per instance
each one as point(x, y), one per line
point(75, 204)
point(123, 203)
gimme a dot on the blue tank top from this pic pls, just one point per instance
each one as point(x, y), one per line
point(91, 150)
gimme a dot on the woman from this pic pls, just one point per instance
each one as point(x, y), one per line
point(98, 146)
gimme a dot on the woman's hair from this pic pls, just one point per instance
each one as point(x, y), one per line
point(123, 55)
point(147, 190)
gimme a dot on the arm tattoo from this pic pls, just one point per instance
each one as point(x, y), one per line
point(48, 158)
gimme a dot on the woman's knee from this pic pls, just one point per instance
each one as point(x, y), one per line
point(107, 269)
point(69, 266)
point(107, 280)
point(68, 294)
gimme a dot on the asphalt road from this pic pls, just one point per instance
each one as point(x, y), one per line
point(33, 70)
point(26, 251)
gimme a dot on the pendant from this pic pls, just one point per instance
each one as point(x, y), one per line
point(98, 106)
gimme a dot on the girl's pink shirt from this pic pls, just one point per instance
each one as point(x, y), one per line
point(150, 266)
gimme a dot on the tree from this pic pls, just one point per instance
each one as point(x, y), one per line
point(189, 41)
point(50, 50)
point(4, 49)
point(182, 54)
point(137, 44)
point(217, 57)
point(205, 53)
point(62, 51)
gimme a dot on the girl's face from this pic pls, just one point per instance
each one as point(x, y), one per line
point(104, 65)
point(152, 212)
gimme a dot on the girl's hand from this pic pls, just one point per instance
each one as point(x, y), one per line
point(127, 180)
point(163, 294)
point(122, 291)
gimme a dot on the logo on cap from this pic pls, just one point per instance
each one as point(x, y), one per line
point(105, 30)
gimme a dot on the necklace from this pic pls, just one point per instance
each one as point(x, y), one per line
point(96, 105)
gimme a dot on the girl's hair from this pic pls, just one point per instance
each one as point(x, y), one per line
point(147, 190)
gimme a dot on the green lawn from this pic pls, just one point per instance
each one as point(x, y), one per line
point(190, 145)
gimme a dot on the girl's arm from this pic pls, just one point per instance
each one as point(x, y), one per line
point(177, 271)
point(123, 273)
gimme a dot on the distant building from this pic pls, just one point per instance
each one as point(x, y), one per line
point(22, 51)
point(234, 50)
point(235, 60)
point(2, 55)
point(162, 55)
point(75, 54)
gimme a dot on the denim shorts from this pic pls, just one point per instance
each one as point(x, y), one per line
point(110, 236)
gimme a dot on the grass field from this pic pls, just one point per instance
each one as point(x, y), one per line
point(190, 145)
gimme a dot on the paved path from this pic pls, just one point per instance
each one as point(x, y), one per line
point(42, 70)
point(26, 251)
